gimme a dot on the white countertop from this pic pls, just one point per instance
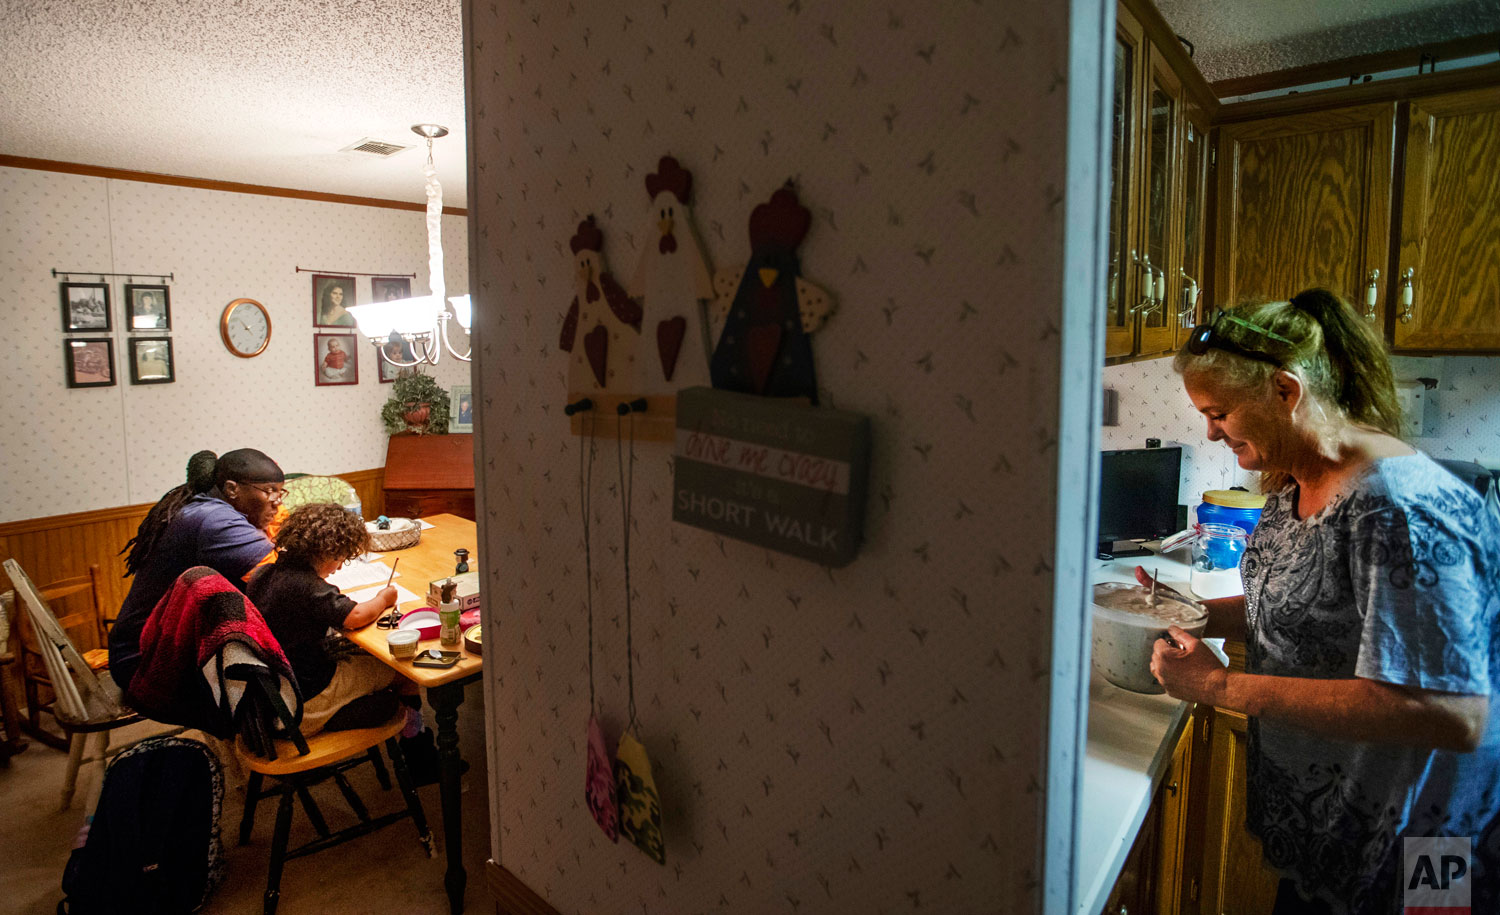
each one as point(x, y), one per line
point(1131, 737)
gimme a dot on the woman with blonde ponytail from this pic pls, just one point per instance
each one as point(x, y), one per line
point(1372, 588)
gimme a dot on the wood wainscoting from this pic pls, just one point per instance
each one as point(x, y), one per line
point(63, 546)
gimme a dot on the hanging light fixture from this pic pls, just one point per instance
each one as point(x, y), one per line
point(420, 320)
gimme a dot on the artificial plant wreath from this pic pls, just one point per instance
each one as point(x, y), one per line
point(417, 405)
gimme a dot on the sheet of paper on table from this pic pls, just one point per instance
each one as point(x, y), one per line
point(354, 573)
point(426, 525)
point(364, 594)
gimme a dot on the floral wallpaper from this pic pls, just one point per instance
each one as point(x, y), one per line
point(71, 450)
point(1463, 418)
point(867, 739)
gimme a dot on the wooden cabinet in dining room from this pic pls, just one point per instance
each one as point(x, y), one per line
point(1447, 284)
point(1305, 200)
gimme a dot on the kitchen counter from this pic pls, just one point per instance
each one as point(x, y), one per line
point(1130, 742)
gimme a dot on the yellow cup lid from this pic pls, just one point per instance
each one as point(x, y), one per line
point(1233, 498)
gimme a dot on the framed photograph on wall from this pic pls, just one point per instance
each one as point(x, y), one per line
point(461, 415)
point(148, 307)
point(331, 295)
point(336, 359)
point(151, 360)
point(386, 288)
point(90, 362)
point(85, 306)
point(396, 348)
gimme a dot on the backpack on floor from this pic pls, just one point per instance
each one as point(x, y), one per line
point(153, 846)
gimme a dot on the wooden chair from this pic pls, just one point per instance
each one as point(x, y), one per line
point(296, 766)
point(85, 614)
point(85, 703)
point(11, 741)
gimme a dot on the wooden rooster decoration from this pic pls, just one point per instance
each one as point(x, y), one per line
point(602, 319)
point(670, 281)
point(768, 310)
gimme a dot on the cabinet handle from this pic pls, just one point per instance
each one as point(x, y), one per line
point(1189, 299)
point(1408, 295)
point(1123, 910)
point(1372, 294)
point(1173, 788)
point(1148, 286)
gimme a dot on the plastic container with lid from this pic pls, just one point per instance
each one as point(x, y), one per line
point(1232, 506)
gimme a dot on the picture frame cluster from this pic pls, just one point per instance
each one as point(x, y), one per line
point(336, 343)
point(89, 360)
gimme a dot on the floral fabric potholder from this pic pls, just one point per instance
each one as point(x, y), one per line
point(640, 805)
point(599, 786)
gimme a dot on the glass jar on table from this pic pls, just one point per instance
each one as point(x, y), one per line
point(1217, 550)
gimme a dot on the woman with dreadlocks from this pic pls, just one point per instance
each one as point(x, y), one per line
point(218, 518)
point(200, 478)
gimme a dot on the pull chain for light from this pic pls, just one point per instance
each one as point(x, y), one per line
point(585, 500)
point(627, 484)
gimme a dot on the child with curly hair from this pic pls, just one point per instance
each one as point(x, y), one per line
point(300, 607)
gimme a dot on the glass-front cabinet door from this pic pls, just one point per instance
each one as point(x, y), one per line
point(1195, 156)
point(1121, 276)
point(1160, 264)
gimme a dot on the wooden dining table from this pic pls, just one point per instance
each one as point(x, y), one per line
point(431, 559)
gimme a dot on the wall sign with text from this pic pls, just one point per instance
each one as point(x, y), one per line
point(776, 473)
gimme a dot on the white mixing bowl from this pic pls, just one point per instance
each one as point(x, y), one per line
point(1126, 630)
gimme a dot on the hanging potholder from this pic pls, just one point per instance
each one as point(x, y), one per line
point(640, 805)
point(599, 787)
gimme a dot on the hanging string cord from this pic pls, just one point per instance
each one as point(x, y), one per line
point(585, 500)
point(625, 491)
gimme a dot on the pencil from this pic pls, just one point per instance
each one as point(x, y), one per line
point(393, 572)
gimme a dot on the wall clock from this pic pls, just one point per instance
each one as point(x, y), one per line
point(245, 327)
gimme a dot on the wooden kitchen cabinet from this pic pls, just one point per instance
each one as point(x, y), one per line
point(1196, 156)
point(1158, 162)
point(1446, 289)
point(1235, 879)
point(1161, 211)
point(1305, 200)
point(1122, 284)
point(1154, 876)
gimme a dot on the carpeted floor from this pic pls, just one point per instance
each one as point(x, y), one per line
point(384, 871)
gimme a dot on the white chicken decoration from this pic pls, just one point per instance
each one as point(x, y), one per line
point(671, 281)
point(602, 318)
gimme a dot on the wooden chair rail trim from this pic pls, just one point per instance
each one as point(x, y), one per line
point(235, 187)
point(52, 522)
point(512, 897)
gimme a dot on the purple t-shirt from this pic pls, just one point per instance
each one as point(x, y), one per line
point(208, 531)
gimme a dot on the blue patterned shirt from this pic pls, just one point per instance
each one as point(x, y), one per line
point(1395, 580)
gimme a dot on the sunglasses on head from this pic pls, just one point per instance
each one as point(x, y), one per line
point(1206, 336)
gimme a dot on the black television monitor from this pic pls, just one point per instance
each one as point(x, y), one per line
point(1137, 498)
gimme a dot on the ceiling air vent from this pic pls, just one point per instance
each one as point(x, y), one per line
point(375, 147)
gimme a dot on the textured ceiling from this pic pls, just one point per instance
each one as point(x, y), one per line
point(1251, 37)
point(259, 91)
